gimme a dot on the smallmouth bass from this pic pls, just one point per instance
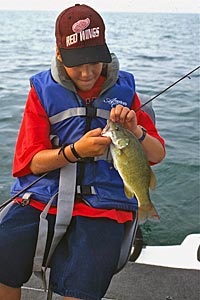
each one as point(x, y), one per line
point(132, 165)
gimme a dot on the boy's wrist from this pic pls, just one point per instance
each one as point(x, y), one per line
point(65, 153)
point(140, 133)
point(74, 152)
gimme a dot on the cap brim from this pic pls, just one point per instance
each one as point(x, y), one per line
point(80, 56)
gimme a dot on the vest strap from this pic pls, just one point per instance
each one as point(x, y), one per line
point(79, 111)
point(5, 209)
point(91, 111)
point(38, 268)
point(85, 190)
point(65, 205)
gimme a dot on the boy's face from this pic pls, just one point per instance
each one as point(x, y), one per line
point(85, 76)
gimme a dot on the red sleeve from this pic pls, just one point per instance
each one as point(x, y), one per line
point(33, 135)
point(145, 120)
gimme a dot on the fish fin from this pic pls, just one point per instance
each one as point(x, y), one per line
point(128, 193)
point(147, 214)
point(152, 183)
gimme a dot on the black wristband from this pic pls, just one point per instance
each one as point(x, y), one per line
point(74, 152)
point(144, 132)
point(62, 149)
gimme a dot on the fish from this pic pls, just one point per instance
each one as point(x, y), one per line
point(130, 161)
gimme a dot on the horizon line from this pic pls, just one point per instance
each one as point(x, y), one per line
point(103, 11)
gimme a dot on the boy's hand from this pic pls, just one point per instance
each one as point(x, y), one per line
point(124, 116)
point(92, 144)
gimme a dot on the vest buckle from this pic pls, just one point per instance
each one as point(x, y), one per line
point(26, 199)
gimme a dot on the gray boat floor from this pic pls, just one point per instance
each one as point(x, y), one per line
point(138, 282)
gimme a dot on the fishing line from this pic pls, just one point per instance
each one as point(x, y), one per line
point(23, 190)
point(154, 97)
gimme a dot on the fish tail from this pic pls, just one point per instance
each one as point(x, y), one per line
point(150, 214)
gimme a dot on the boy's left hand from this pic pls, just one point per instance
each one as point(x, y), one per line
point(124, 116)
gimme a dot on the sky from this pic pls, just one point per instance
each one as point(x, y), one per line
point(175, 6)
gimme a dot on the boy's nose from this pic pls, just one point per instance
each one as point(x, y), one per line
point(85, 70)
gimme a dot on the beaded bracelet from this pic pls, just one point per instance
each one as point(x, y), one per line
point(62, 149)
point(74, 152)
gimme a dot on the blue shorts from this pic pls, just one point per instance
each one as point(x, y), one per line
point(83, 263)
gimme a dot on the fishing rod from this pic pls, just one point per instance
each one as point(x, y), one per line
point(163, 91)
point(45, 174)
point(23, 190)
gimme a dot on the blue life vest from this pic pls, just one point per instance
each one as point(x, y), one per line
point(99, 183)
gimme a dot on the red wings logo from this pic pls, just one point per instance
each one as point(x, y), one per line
point(81, 25)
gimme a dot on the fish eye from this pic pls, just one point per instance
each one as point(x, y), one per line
point(117, 128)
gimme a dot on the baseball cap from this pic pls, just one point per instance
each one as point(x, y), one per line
point(80, 36)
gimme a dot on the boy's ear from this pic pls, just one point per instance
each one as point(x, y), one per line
point(58, 54)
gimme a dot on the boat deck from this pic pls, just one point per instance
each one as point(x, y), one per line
point(138, 282)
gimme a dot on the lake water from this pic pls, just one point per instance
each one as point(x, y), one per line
point(158, 49)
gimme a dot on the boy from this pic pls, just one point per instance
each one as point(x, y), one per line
point(60, 135)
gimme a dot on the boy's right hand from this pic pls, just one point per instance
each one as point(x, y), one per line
point(92, 144)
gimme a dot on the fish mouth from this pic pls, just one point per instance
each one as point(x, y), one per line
point(111, 130)
point(106, 130)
